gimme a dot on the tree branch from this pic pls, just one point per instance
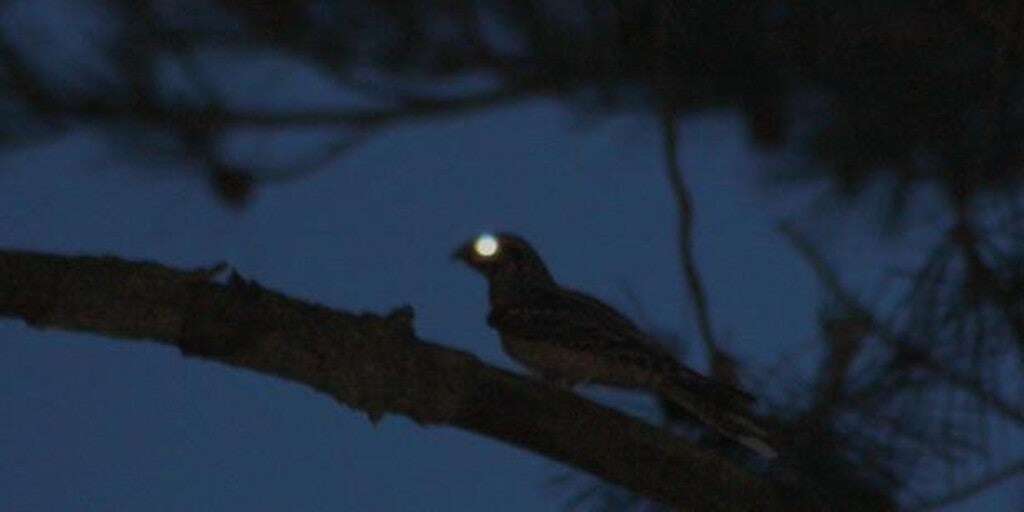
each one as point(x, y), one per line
point(372, 363)
point(977, 389)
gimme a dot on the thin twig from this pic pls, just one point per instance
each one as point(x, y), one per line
point(968, 384)
point(684, 203)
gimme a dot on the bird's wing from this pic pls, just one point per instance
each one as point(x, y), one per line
point(580, 322)
point(572, 319)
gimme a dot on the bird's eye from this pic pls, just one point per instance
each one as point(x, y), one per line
point(486, 246)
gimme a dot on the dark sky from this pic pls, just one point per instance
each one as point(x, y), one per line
point(87, 423)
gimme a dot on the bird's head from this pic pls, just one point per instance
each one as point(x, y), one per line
point(503, 256)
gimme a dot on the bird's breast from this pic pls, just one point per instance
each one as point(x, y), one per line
point(574, 363)
point(549, 359)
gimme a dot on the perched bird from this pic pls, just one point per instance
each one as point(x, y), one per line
point(569, 338)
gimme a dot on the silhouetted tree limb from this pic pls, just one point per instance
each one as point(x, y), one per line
point(372, 363)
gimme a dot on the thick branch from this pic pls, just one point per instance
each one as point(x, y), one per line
point(371, 363)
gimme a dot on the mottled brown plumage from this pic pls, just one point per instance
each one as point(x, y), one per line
point(570, 338)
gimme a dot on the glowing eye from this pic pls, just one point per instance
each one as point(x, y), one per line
point(486, 245)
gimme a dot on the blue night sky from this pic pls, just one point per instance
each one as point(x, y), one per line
point(89, 423)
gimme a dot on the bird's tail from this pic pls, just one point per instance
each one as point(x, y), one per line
point(721, 407)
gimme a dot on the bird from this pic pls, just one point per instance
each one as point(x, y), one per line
point(569, 338)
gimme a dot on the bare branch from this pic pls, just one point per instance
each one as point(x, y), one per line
point(375, 364)
point(977, 389)
point(411, 109)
